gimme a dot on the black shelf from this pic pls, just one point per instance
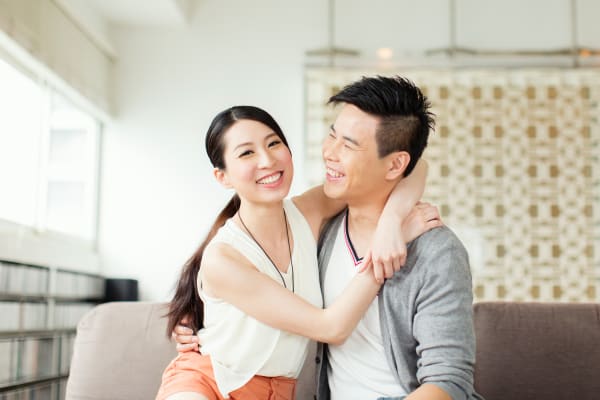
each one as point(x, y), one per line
point(10, 386)
point(42, 305)
point(21, 298)
point(36, 334)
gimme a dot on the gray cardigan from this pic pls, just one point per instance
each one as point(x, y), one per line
point(426, 315)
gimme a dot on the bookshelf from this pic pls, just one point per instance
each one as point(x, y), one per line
point(39, 310)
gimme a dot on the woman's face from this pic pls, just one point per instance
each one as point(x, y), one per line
point(258, 165)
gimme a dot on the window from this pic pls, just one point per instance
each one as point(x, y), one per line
point(21, 102)
point(71, 172)
point(48, 158)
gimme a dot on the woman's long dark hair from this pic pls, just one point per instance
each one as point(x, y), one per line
point(186, 302)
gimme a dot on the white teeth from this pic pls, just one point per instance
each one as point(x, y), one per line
point(334, 173)
point(270, 179)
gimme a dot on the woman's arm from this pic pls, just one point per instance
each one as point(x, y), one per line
point(317, 208)
point(422, 218)
point(388, 252)
point(388, 248)
point(227, 274)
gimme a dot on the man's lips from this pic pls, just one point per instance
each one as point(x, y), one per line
point(332, 173)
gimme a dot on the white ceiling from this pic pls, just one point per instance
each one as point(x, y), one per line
point(141, 12)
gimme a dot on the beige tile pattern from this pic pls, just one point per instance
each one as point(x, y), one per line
point(514, 169)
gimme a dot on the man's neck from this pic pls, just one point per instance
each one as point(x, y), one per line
point(362, 222)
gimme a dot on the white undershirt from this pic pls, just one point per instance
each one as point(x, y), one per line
point(357, 369)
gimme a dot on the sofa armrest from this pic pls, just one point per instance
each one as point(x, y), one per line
point(120, 352)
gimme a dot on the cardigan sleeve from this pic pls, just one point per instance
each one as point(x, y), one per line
point(443, 316)
point(426, 312)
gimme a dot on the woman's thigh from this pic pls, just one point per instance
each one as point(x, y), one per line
point(189, 376)
point(187, 396)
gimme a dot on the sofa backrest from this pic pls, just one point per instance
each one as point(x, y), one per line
point(525, 351)
point(528, 351)
point(121, 350)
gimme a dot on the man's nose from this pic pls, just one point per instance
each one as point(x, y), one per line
point(330, 149)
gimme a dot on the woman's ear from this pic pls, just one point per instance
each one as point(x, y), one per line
point(398, 161)
point(221, 177)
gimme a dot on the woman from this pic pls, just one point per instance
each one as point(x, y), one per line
point(237, 285)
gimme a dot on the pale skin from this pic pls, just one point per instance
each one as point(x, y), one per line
point(421, 218)
point(237, 280)
point(350, 147)
point(252, 151)
point(230, 276)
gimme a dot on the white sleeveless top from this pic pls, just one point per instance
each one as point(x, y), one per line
point(241, 346)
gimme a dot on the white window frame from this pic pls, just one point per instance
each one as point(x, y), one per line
point(37, 245)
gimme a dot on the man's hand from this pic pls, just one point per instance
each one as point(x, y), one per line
point(185, 338)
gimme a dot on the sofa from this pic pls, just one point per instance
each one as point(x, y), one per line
point(525, 351)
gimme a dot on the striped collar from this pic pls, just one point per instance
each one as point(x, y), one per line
point(357, 260)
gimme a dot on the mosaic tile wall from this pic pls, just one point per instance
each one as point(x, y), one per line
point(514, 169)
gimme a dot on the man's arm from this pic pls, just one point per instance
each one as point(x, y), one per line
point(443, 321)
point(428, 392)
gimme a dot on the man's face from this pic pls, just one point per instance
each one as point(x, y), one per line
point(353, 169)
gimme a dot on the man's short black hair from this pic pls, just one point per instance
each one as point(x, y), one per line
point(403, 110)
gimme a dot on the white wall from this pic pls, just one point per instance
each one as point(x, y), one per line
point(158, 196)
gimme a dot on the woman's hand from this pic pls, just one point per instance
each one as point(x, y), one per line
point(388, 246)
point(387, 253)
point(185, 338)
point(422, 217)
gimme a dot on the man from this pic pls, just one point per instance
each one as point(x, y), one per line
point(416, 339)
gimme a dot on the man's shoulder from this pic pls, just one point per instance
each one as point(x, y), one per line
point(439, 252)
point(436, 240)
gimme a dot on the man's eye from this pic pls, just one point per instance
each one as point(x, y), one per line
point(331, 135)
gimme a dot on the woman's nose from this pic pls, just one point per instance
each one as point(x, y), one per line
point(266, 159)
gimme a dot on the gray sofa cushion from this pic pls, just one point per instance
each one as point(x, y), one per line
point(525, 351)
point(529, 351)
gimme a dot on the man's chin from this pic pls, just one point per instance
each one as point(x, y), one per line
point(332, 192)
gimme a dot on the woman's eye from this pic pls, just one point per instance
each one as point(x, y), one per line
point(246, 153)
point(274, 143)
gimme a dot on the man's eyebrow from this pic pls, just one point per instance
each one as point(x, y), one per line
point(347, 138)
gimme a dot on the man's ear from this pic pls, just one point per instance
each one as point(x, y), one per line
point(221, 177)
point(397, 163)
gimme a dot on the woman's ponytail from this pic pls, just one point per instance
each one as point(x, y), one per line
point(186, 302)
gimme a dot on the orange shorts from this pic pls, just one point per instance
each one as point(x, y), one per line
point(192, 372)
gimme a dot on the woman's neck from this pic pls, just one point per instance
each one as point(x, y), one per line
point(263, 220)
